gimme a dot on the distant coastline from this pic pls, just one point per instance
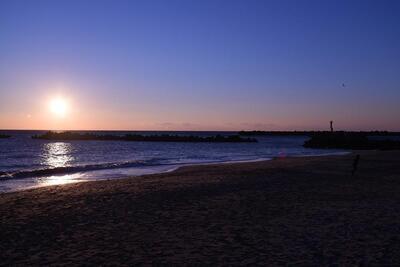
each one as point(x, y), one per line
point(143, 138)
point(312, 133)
point(352, 140)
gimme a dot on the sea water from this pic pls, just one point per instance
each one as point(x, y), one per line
point(28, 163)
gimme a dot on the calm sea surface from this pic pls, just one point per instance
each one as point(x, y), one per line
point(27, 163)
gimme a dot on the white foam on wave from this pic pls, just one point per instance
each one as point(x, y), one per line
point(120, 173)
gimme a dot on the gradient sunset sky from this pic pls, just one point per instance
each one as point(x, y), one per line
point(200, 65)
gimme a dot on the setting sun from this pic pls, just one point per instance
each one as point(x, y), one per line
point(59, 107)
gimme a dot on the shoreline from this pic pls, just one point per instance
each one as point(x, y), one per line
point(303, 211)
point(79, 177)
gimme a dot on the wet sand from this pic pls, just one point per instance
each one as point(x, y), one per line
point(306, 211)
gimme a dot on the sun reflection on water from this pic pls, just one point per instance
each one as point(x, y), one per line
point(60, 179)
point(57, 154)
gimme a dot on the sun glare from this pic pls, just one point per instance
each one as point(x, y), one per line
point(59, 107)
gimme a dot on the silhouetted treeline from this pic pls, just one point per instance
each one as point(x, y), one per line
point(5, 136)
point(143, 138)
point(312, 133)
point(350, 140)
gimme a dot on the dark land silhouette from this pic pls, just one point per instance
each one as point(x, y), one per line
point(339, 139)
point(144, 138)
point(313, 133)
point(350, 140)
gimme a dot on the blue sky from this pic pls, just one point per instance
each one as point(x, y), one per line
point(201, 65)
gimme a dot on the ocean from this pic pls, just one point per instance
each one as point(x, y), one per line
point(28, 163)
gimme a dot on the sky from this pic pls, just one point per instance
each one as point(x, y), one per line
point(200, 65)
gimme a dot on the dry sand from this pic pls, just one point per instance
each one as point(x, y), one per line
point(306, 211)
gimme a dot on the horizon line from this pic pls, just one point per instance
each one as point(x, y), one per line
point(119, 130)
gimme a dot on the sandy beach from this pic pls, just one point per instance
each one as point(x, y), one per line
point(303, 211)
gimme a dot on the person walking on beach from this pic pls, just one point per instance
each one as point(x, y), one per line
point(355, 164)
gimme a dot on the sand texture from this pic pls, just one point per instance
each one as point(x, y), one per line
point(303, 211)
